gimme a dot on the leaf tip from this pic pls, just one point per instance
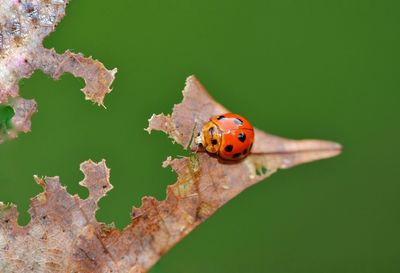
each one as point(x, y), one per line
point(167, 162)
point(149, 129)
point(39, 180)
point(159, 122)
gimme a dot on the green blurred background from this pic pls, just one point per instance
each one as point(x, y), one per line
point(300, 69)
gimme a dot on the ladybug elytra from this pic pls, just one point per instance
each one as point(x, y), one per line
point(229, 136)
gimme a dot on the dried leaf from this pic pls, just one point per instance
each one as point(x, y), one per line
point(23, 26)
point(20, 118)
point(64, 236)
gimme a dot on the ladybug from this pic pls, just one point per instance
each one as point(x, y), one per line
point(229, 136)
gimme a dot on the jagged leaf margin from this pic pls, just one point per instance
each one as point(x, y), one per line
point(64, 236)
point(23, 26)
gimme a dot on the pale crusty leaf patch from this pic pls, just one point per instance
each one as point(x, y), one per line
point(23, 26)
point(64, 236)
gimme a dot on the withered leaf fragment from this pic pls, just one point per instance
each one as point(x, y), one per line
point(23, 26)
point(64, 236)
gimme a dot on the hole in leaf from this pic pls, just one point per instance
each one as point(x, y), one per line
point(261, 171)
point(6, 114)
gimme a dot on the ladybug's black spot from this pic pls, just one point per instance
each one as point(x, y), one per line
point(214, 142)
point(220, 117)
point(238, 121)
point(228, 148)
point(237, 155)
point(245, 151)
point(242, 137)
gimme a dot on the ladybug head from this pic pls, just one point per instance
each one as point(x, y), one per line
point(211, 137)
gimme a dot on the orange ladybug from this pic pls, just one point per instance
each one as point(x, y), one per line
point(228, 136)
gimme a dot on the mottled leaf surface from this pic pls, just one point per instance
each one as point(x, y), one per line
point(23, 26)
point(64, 236)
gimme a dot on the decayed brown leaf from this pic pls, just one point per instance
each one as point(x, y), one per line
point(64, 236)
point(23, 26)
